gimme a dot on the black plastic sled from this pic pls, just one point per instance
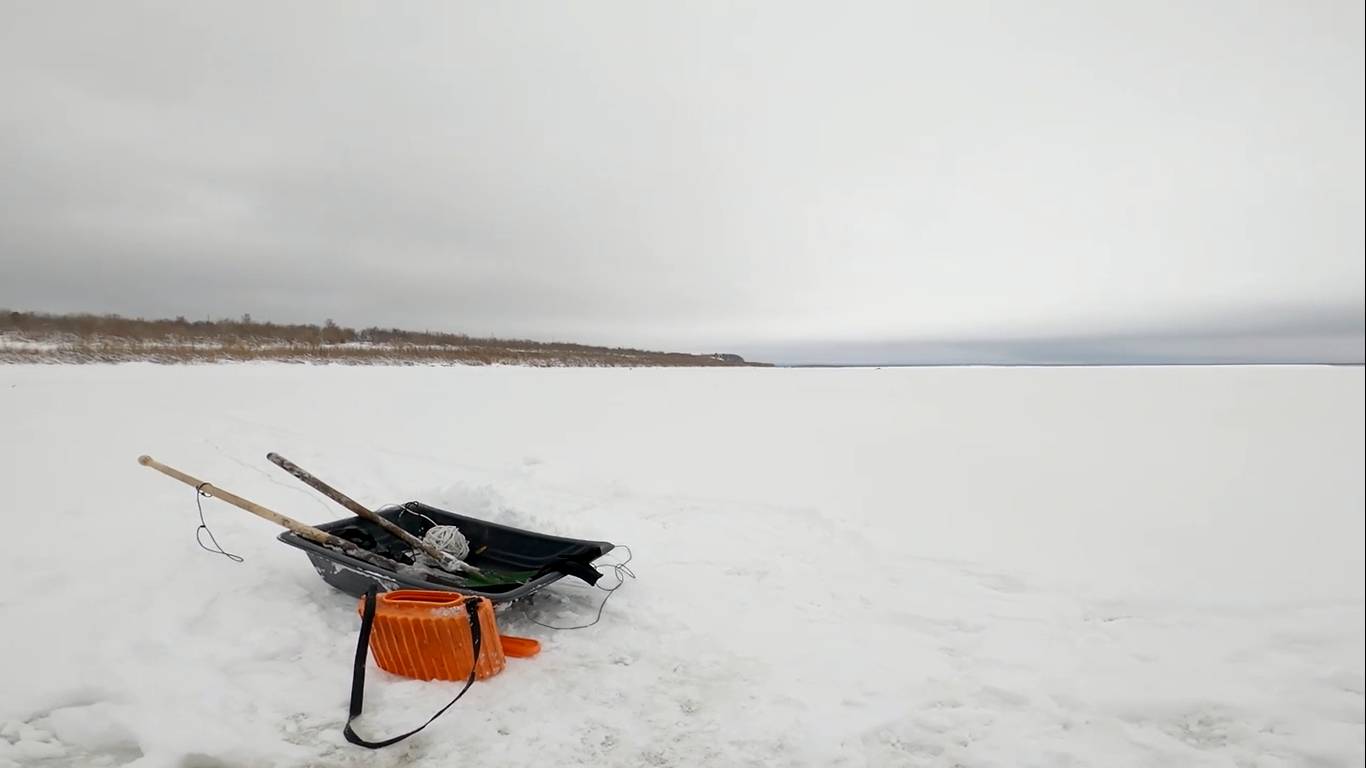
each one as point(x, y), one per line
point(531, 560)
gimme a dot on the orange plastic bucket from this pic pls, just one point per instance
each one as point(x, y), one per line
point(425, 634)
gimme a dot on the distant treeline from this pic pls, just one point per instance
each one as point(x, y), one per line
point(245, 338)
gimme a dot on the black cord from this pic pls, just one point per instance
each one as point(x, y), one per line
point(621, 571)
point(204, 528)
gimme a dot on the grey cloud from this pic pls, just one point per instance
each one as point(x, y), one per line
point(698, 176)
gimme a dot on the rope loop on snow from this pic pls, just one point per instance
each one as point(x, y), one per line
point(204, 528)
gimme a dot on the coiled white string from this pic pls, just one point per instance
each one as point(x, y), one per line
point(448, 539)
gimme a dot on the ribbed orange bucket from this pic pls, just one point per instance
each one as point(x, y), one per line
point(425, 634)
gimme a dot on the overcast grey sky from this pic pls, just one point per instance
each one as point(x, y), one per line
point(781, 178)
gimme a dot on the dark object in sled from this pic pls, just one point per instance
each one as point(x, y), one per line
point(493, 547)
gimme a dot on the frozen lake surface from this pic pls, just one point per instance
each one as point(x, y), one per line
point(911, 567)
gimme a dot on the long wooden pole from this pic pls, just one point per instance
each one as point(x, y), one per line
point(306, 531)
point(445, 559)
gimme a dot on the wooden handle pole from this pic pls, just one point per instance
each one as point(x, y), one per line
point(446, 559)
point(209, 489)
point(307, 531)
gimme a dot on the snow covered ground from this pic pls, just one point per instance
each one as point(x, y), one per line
point(919, 567)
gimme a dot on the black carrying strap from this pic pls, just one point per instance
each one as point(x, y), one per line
point(367, 622)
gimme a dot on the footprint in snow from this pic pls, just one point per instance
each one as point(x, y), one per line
point(87, 734)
